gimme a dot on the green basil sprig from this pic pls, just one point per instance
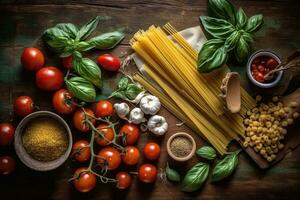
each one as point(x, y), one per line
point(230, 30)
point(207, 152)
point(226, 166)
point(126, 90)
point(172, 174)
point(81, 88)
point(195, 177)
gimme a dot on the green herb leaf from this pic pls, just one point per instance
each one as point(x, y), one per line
point(195, 177)
point(68, 28)
point(207, 152)
point(123, 83)
point(132, 91)
point(242, 50)
point(212, 56)
point(83, 46)
point(222, 9)
point(232, 40)
point(88, 69)
point(81, 88)
point(88, 28)
point(254, 23)
point(119, 94)
point(225, 167)
point(172, 174)
point(107, 40)
point(241, 18)
point(217, 28)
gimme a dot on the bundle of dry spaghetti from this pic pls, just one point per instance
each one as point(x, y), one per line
point(191, 96)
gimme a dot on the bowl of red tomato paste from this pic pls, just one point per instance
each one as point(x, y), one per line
point(259, 64)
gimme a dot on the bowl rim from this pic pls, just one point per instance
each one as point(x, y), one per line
point(260, 53)
point(191, 154)
point(26, 158)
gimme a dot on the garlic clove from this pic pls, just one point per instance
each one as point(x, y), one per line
point(122, 109)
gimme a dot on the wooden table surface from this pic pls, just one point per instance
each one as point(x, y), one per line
point(22, 24)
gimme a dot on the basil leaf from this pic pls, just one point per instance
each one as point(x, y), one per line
point(118, 94)
point(241, 18)
point(232, 40)
point(254, 23)
point(208, 49)
point(88, 69)
point(81, 88)
point(88, 28)
point(225, 167)
point(57, 40)
point(222, 9)
point(68, 28)
point(83, 46)
point(246, 36)
point(107, 40)
point(195, 177)
point(123, 83)
point(217, 28)
point(172, 174)
point(242, 50)
point(207, 152)
point(132, 91)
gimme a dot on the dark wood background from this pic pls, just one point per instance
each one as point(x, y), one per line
point(22, 24)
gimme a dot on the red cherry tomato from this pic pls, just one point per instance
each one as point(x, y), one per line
point(7, 165)
point(108, 134)
point(109, 157)
point(152, 151)
point(132, 155)
point(131, 133)
point(85, 182)
point(124, 180)
point(32, 59)
point(67, 62)
point(104, 109)
point(259, 77)
point(49, 78)
point(23, 106)
point(79, 119)
point(109, 62)
point(81, 150)
point(63, 102)
point(147, 173)
point(261, 68)
point(7, 132)
point(272, 63)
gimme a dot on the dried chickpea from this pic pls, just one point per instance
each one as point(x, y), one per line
point(247, 121)
point(275, 99)
point(249, 113)
point(295, 115)
point(280, 146)
point(286, 109)
point(269, 159)
point(259, 146)
point(262, 151)
point(245, 144)
point(284, 123)
point(253, 137)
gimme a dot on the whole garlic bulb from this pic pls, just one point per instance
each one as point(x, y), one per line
point(150, 104)
point(158, 125)
point(136, 116)
point(122, 109)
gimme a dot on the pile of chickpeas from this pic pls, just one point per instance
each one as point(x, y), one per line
point(266, 125)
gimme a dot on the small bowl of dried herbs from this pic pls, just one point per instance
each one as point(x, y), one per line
point(43, 141)
point(181, 146)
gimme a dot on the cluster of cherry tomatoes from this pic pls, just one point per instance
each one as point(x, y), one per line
point(261, 66)
point(109, 156)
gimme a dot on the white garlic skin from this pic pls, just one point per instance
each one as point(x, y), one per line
point(122, 109)
point(150, 104)
point(136, 116)
point(158, 125)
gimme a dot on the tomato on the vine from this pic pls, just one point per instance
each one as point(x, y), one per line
point(84, 181)
point(131, 133)
point(81, 151)
point(7, 165)
point(109, 62)
point(79, 118)
point(131, 156)
point(124, 180)
point(151, 151)
point(63, 102)
point(7, 132)
point(104, 109)
point(23, 106)
point(108, 135)
point(67, 62)
point(147, 173)
point(109, 158)
point(32, 59)
point(49, 78)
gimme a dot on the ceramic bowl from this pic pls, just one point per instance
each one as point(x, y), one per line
point(190, 155)
point(26, 158)
point(264, 52)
